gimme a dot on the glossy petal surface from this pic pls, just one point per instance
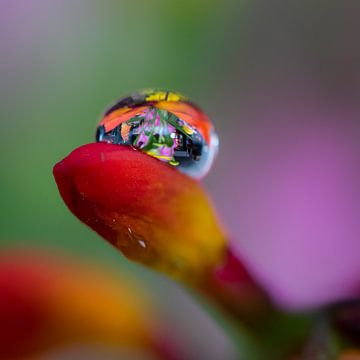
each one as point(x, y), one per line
point(148, 210)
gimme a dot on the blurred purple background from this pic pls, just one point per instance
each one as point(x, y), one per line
point(287, 178)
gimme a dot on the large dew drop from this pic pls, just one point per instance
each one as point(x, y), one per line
point(164, 125)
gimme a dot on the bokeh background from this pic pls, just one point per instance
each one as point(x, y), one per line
point(281, 81)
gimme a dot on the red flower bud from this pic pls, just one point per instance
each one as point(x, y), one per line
point(150, 211)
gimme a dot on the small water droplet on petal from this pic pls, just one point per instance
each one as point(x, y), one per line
point(142, 243)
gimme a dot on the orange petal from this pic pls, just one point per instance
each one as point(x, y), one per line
point(190, 114)
point(119, 116)
point(47, 302)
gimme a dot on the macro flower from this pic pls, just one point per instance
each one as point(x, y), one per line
point(156, 212)
point(159, 217)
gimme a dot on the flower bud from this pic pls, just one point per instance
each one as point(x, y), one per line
point(152, 213)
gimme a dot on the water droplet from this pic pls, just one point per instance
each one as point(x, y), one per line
point(165, 125)
point(136, 240)
point(142, 243)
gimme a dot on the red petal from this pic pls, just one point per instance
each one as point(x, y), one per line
point(151, 212)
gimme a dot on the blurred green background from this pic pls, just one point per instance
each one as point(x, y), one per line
point(63, 63)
